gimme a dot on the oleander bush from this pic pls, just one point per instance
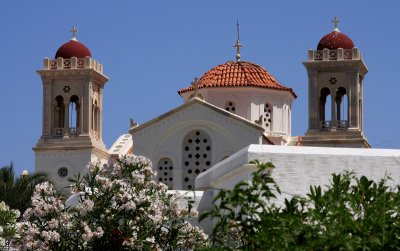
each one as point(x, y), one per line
point(120, 208)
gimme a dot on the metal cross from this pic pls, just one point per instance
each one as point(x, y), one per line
point(335, 22)
point(195, 83)
point(73, 30)
point(238, 44)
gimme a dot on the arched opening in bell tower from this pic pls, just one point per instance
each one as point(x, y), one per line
point(325, 104)
point(95, 119)
point(74, 112)
point(59, 114)
point(342, 107)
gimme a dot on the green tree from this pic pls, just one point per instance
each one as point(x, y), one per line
point(16, 192)
point(352, 213)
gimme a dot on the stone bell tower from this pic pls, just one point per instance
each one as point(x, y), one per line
point(73, 85)
point(335, 93)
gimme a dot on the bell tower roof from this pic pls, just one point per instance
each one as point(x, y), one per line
point(73, 48)
point(335, 39)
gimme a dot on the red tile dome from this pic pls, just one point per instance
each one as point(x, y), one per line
point(73, 49)
point(335, 40)
point(238, 74)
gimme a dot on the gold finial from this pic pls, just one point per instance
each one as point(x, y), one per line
point(238, 44)
point(73, 30)
point(335, 22)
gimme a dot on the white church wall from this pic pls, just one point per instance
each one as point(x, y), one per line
point(250, 104)
point(164, 138)
point(75, 161)
point(296, 168)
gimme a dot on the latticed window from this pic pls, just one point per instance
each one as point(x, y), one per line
point(196, 154)
point(267, 117)
point(230, 107)
point(165, 172)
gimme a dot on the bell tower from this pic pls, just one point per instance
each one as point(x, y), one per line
point(73, 85)
point(335, 93)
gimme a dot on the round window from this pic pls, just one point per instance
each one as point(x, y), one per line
point(63, 172)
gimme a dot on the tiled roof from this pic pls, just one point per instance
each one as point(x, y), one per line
point(238, 74)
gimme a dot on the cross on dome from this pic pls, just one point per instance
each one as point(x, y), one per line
point(195, 83)
point(335, 22)
point(73, 30)
point(238, 44)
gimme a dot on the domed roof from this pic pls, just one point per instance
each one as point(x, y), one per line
point(237, 74)
point(73, 48)
point(335, 40)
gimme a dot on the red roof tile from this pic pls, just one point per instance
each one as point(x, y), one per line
point(238, 73)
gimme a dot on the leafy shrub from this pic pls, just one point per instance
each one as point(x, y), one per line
point(350, 214)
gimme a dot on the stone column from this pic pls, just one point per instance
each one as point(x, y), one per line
point(353, 101)
point(66, 120)
point(333, 111)
point(48, 121)
point(99, 116)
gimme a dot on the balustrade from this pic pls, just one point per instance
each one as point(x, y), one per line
point(59, 131)
point(334, 55)
point(72, 63)
point(73, 131)
point(339, 125)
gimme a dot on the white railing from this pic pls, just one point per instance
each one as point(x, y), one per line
point(325, 125)
point(342, 124)
point(73, 131)
point(339, 125)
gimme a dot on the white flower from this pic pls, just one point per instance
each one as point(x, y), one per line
point(85, 206)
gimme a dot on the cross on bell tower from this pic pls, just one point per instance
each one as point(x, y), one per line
point(335, 22)
point(73, 30)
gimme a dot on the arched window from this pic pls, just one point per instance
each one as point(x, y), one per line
point(341, 107)
point(59, 114)
point(74, 112)
point(325, 107)
point(268, 116)
point(230, 106)
point(360, 113)
point(196, 156)
point(92, 118)
point(95, 119)
point(165, 172)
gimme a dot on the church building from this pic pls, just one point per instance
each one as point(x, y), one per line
point(231, 106)
point(234, 113)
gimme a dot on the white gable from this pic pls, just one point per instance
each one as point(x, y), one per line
point(171, 138)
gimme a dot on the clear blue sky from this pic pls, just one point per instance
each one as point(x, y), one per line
point(151, 49)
